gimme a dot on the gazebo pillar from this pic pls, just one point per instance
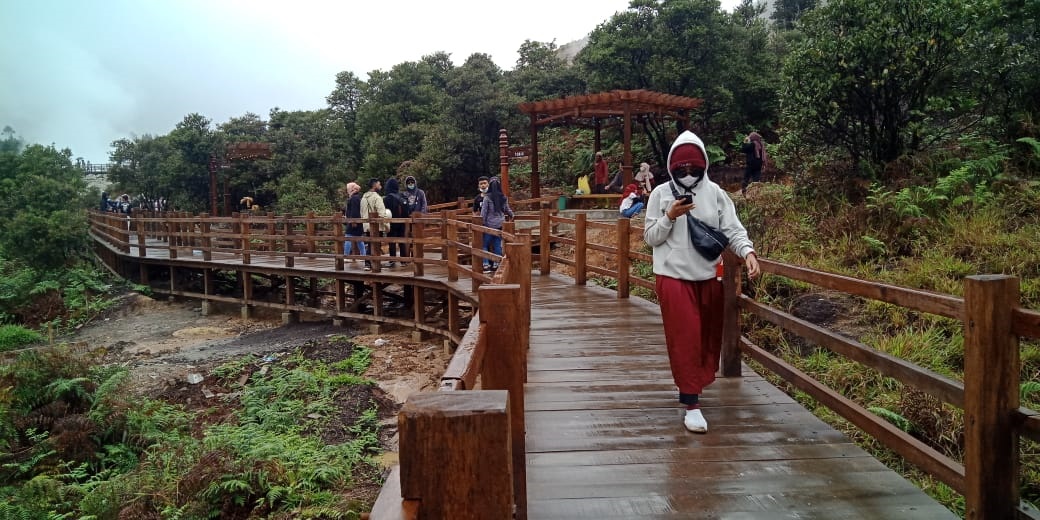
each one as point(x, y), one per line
point(597, 125)
point(535, 187)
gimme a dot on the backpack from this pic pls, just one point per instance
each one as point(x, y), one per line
point(408, 204)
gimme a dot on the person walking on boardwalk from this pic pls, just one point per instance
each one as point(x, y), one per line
point(414, 197)
point(689, 293)
point(353, 210)
point(395, 202)
point(493, 212)
point(371, 202)
point(482, 187)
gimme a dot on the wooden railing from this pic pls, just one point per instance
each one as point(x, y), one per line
point(443, 462)
point(460, 442)
point(989, 395)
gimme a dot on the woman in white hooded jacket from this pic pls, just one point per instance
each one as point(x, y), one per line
point(687, 289)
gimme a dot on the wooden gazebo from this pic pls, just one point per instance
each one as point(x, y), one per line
point(610, 108)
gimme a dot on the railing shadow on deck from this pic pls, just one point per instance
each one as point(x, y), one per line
point(474, 438)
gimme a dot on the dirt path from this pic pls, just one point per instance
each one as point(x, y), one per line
point(169, 345)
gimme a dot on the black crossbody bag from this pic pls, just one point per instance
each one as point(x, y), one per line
point(708, 241)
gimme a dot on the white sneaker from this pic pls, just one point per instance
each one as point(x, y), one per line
point(694, 421)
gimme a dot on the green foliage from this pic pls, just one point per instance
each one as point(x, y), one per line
point(688, 48)
point(879, 78)
point(274, 457)
point(898, 420)
point(42, 198)
point(13, 337)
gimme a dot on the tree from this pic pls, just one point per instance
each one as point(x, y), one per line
point(541, 73)
point(410, 93)
point(688, 48)
point(10, 141)
point(42, 202)
point(787, 12)
point(877, 78)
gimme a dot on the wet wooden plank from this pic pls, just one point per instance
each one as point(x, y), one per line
point(605, 437)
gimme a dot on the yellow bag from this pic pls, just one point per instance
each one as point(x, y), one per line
point(583, 185)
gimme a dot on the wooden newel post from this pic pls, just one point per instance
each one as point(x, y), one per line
point(581, 256)
point(505, 368)
point(455, 454)
point(991, 379)
point(544, 233)
point(624, 227)
point(731, 314)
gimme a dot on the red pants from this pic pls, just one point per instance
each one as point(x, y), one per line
point(692, 315)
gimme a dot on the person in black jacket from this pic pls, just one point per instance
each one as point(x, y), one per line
point(394, 201)
point(353, 210)
point(482, 186)
point(755, 153)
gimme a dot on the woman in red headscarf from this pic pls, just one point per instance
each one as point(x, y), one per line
point(631, 202)
point(686, 284)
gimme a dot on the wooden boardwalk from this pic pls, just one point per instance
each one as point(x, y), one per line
point(605, 437)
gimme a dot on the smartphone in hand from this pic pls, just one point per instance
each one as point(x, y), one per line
point(686, 198)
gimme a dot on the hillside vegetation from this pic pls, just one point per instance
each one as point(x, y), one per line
point(904, 134)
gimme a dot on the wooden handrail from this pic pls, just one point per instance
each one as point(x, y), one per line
point(987, 496)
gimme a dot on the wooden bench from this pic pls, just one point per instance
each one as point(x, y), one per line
point(594, 201)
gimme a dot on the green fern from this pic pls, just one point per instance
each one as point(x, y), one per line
point(1028, 388)
point(898, 420)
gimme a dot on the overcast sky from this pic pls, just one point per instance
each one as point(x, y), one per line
point(79, 74)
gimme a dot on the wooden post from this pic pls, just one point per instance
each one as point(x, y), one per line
point(535, 182)
point(288, 239)
point(338, 242)
point(418, 302)
point(171, 232)
point(207, 239)
point(207, 281)
point(376, 247)
point(310, 232)
point(455, 454)
point(731, 314)
point(418, 248)
point(623, 229)
point(271, 230)
point(991, 380)
point(243, 227)
point(476, 263)
point(141, 249)
point(503, 160)
point(544, 233)
point(444, 237)
point(290, 290)
point(581, 256)
point(505, 368)
point(341, 296)
point(451, 251)
point(454, 326)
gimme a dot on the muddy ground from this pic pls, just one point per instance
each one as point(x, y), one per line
point(171, 349)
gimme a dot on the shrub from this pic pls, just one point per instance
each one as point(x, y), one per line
point(15, 336)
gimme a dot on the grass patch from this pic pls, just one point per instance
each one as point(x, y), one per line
point(14, 337)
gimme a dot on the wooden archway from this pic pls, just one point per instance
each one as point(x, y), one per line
point(593, 110)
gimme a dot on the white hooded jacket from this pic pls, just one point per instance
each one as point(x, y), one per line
point(674, 255)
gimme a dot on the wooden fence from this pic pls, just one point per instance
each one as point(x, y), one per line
point(443, 460)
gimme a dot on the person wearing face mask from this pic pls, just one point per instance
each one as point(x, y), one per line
point(482, 187)
point(687, 288)
point(414, 198)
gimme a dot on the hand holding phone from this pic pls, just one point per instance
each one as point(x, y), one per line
point(686, 198)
